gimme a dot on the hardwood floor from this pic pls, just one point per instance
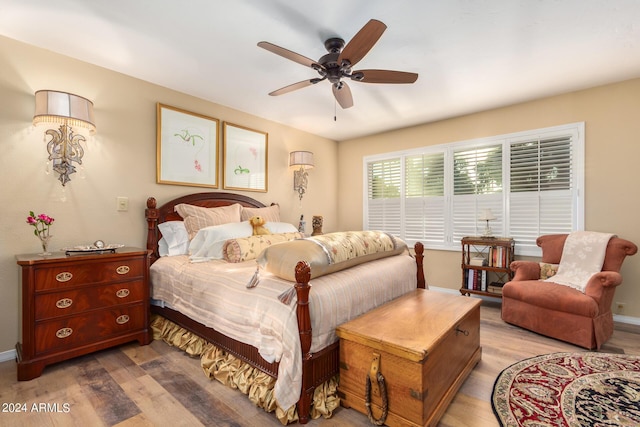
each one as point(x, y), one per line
point(157, 385)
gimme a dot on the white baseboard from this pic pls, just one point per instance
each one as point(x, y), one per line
point(5, 356)
point(626, 319)
point(616, 317)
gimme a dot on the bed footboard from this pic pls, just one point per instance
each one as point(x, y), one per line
point(319, 367)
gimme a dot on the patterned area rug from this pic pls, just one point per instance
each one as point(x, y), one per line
point(569, 389)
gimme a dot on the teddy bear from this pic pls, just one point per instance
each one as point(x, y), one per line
point(257, 222)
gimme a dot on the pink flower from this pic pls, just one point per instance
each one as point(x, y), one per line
point(41, 223)
point(45, 218)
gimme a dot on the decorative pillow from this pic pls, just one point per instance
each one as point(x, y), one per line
point(329, 253)
point(175, 239)
point(208, 241)
point(270, 213)
point(280, 227)
point(547, 270)
point(246, 248)
point(196, 217)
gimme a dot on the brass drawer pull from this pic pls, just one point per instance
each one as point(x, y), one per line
point(462, 331)
point(65, 276)
point(64, 332)
point(123, 269)
point(121, 320)
point(122, 293)
point(64, 303)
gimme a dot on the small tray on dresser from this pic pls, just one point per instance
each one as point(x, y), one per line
point(92, 249)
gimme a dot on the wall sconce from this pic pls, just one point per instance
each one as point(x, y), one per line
point(487, 216)
point(68, 111)
point(304, 159)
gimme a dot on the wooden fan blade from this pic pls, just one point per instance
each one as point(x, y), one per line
point(383, 76)
point(342, 92)
point(294, 86)
point(286, 53)
point(362, 42)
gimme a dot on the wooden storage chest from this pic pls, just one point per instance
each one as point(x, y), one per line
point(424, 344)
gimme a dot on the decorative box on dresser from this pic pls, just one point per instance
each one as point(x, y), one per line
point(77, 304)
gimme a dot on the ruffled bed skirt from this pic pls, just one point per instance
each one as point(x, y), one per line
point(237, 374)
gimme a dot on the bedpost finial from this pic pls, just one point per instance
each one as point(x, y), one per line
point(303, 272)
point(151, 203)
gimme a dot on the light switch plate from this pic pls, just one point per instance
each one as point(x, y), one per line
point(122, 204)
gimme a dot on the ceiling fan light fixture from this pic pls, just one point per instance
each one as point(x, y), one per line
point(337, 64)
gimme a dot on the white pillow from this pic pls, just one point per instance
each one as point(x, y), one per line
point(208, 242)
point(280, 227)
point(175, 239)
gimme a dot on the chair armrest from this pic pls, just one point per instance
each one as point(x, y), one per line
point(604, 279)
point(525, 270)
point(602, 285)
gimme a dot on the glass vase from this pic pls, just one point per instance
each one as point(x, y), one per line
point(44, 241)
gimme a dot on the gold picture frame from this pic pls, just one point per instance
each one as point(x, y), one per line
point(187, 148)
point(245, 159)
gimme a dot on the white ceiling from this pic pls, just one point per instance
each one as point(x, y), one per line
point(470, 55)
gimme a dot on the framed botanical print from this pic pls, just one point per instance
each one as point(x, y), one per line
point(245, 158)
point(187, 148)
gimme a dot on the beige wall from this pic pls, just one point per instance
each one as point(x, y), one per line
point(119, 161)
point(612, 150)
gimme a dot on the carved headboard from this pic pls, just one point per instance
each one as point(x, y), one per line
point(156, 215)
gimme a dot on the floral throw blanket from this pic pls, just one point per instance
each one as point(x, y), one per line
point(582, 257)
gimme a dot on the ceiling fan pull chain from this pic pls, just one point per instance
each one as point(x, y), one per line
point(335, 110)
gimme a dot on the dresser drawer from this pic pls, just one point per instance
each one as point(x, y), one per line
point(77, 300)
point(88, 328)
point(64, 276)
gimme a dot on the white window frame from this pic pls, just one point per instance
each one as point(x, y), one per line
point(502, 224)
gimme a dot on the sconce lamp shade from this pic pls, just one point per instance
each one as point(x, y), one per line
point(303, 159)
point(68, 111)
point(64, 109)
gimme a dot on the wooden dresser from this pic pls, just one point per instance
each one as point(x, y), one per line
point(78, 304)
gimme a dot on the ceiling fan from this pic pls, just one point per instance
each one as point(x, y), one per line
point(336, 65)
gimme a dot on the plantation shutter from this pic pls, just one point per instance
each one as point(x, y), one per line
point(424, 198)
point(532, 181)
point(383, 198)
point(542, 189)
point(477, 185)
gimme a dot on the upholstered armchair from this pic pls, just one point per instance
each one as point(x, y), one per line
point(560, 311)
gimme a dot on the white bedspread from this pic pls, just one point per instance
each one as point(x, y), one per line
point(215, 294)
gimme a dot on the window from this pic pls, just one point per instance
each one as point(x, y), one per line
point(384, 191)
point(532, 181)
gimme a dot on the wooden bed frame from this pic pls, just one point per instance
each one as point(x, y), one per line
point(317, 367)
